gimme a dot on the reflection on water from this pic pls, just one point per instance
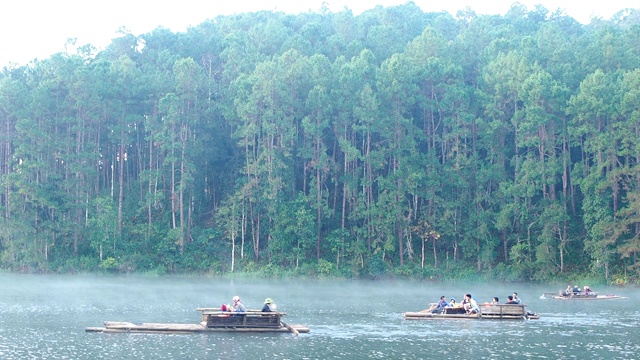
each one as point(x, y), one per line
point(43, 317)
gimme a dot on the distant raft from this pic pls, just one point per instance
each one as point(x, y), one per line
point(487, 311)
point(592, 296)
point(212, 320)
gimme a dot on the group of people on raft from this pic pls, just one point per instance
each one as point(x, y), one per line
point(469, 305)
point(575, 291)
point(238, 306)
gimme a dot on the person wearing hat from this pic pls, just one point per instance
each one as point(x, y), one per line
point(238, 306)
point(269, 305)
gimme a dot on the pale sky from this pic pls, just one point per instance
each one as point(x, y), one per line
point(39, 28)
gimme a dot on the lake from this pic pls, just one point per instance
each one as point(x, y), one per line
point(44, 316)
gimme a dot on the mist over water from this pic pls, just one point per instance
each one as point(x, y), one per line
point(44, 316)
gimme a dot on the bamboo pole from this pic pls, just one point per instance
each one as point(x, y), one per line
point(291, 328)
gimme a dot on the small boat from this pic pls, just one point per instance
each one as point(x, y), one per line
point(487, 311)
point(212, 320)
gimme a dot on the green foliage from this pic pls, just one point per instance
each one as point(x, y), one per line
point(109, 264)
point(506, 273)
point(462, 272)
point(102, 227)
point(292, 232)
point(325, 268)
point(375, 267)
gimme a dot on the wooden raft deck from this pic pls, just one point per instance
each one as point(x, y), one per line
point(487, 311)
point(561, 295)
point(212, 320)
point(588, 297)
point(159, 328)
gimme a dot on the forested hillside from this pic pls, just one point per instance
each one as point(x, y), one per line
point(391, 143)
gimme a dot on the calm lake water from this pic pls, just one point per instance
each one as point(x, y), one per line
point(44, 316)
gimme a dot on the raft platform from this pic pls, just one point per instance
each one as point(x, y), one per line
point(561, 295)
point(212, 320)
point(588, 297)
point(487, 312)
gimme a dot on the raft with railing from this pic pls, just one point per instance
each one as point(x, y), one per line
point(487, 311)
point(212, 320)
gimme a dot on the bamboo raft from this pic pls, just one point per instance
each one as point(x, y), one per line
point(580, 296)
point(212, 320)
point(588, 297)
point(487, 311)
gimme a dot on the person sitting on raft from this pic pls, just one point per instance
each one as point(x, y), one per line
point(439, 306)
point(510, 300)
point(453, 307)
point(269, 305)
point(238, 306)
point(470, 305)
point(587, 290)
point(516, 298)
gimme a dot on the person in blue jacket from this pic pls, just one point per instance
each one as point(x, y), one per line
point(269, 305)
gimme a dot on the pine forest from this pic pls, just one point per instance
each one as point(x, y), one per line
point(392, 143)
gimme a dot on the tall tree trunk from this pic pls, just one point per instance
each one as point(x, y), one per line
point(121, 181)
point(398, 199)
point(318, 211)
point(243, 228)
point(150, 198)
point(435, 253)
point(6, 169)
point(173, 191)
point(181, 196)
point(368, 192)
